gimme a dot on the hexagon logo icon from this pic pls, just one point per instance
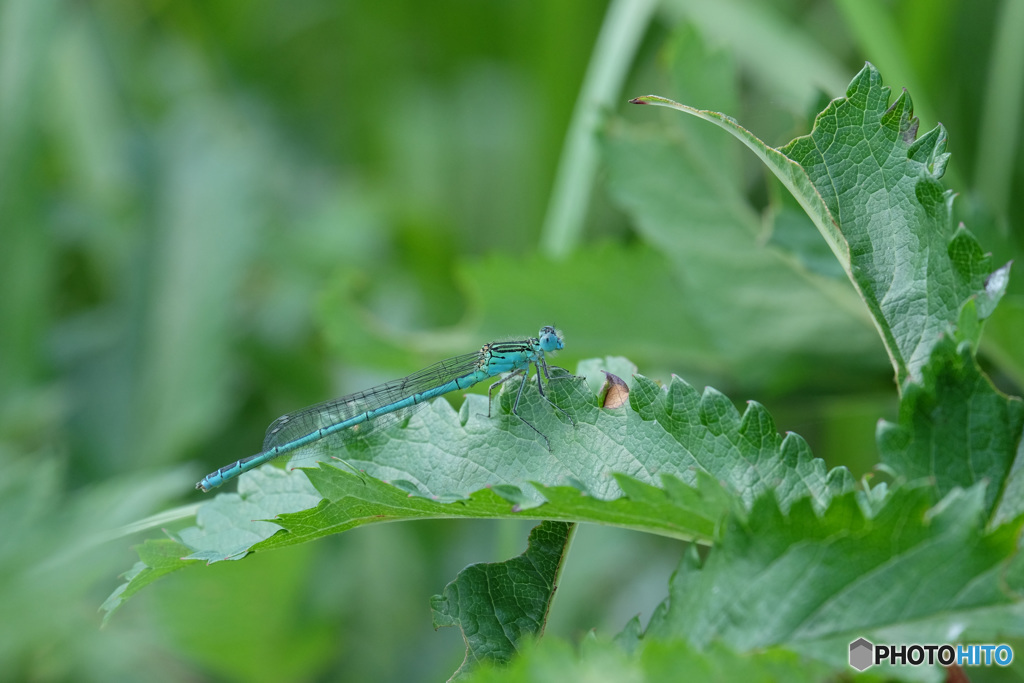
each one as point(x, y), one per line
point(861, 652)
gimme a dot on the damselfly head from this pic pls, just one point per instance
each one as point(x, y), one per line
point(550, 339)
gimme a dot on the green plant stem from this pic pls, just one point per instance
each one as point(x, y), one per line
point(624, 26)
point(1001, 113)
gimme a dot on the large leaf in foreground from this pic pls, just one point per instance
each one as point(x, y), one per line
point(670, 462)
point(674, 432)
point(781, 596)
point(872, 189)
point(910, 573)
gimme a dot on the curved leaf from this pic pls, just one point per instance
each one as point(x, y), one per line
point(673, 462)
point(499, 605)
point(872, 188)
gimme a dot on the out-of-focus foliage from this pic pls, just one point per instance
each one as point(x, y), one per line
point(215, 212)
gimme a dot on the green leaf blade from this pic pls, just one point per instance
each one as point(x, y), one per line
point(672, 463)
point(157, 558)
point(813, 583)
point(499, 605)
point(872, 188)
point(956, 430)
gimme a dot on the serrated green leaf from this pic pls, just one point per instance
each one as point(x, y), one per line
point(499, 605)
point(872, 188)
point(814, 583)
point(667, 433)
point(955, 430)
point(671, 462)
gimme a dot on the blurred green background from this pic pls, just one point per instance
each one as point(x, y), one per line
point(216, 212)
